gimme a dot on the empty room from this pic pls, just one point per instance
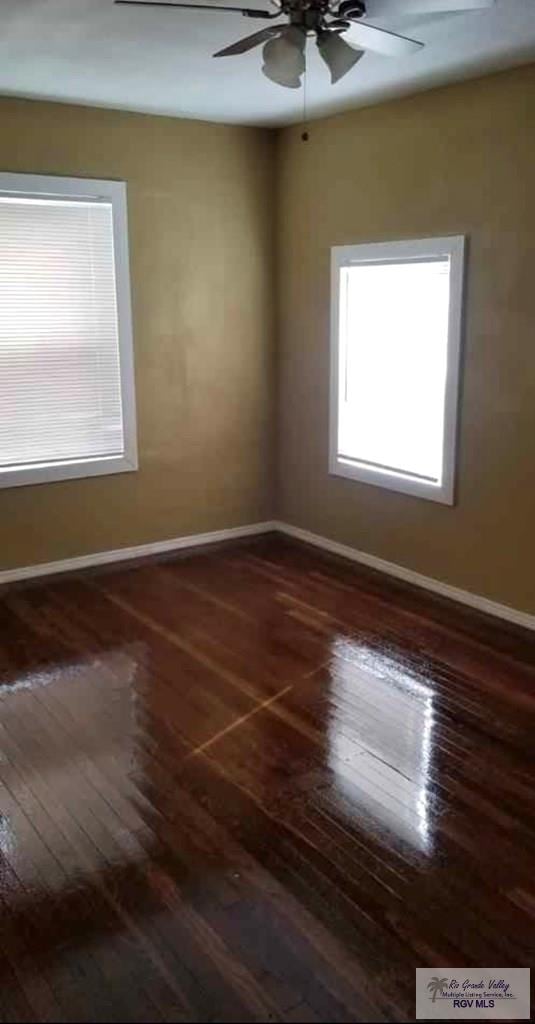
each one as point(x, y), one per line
point(267, 510)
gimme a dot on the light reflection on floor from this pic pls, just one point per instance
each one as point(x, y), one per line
point(68, 752)
point(381, 759)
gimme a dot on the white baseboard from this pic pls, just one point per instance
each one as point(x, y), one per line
point(139, 551)
point(481, 604)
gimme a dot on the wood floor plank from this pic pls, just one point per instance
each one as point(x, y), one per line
point(256, 784)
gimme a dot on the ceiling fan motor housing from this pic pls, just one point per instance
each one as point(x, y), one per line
point(309, 15)
point(352, 9)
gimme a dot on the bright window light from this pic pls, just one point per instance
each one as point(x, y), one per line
point(395, 354)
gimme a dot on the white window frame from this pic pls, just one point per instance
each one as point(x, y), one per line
point(113, 192)
point(347, 255)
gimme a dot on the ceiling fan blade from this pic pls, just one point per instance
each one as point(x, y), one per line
point(395, 8)
point(249, 12)
point(284, 57)
point(337, 54)
point(249, 41)
point(368, 37)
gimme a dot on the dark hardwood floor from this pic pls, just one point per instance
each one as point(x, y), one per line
point(256, 784)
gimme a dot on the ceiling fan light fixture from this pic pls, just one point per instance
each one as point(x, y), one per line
point(284, 57)
point(337, 54)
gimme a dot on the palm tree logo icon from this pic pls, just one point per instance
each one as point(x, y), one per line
point(437, 985)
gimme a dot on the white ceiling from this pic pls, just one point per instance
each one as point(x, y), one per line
point(159, 61)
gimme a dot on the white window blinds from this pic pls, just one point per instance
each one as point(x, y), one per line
point(60, 390)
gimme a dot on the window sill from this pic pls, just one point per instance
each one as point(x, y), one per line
point(55, 471)
point(392, 481)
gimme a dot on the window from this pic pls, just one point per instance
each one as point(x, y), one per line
point(395, 341)
point(66, 362)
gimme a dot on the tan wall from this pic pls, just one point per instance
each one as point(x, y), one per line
point(458, 160)
point(454, 160)
point(201, 262)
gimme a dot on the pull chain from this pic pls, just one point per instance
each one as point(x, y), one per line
point(304, 134)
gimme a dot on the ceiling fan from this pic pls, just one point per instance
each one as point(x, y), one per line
point(341, 28)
